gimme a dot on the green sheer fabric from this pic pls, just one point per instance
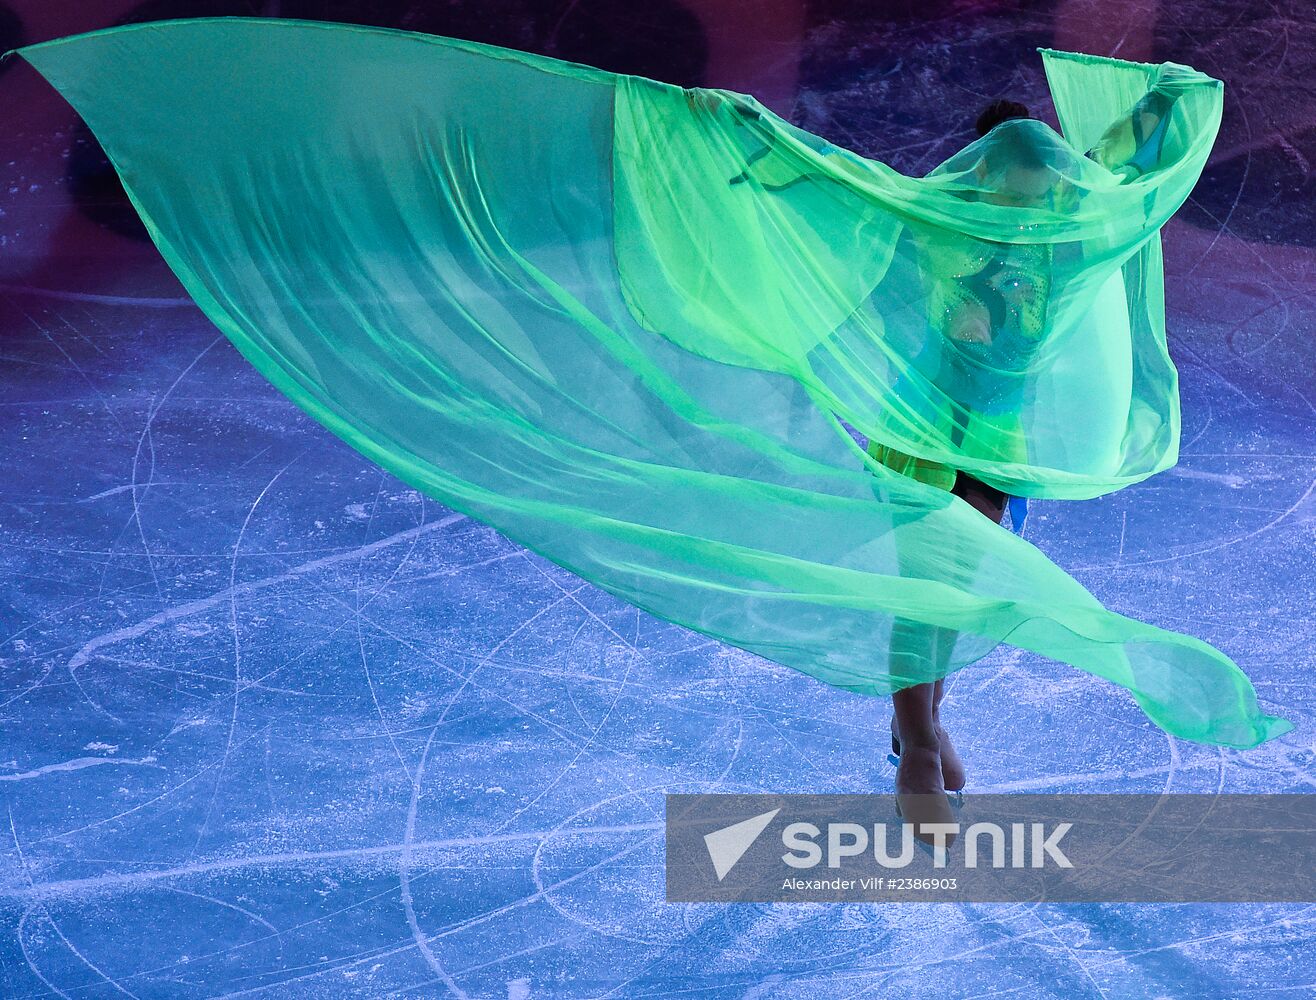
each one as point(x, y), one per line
point(623, 322)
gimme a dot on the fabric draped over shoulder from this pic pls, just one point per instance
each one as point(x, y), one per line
point(625, 323)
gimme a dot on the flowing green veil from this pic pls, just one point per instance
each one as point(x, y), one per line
point(626, 323)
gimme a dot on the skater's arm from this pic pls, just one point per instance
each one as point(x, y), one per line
point(1132, 145)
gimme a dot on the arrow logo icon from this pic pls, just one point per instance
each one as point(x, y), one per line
point(729, 844)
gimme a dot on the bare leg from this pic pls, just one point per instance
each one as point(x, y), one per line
point(916, 730)
point(920, 791)
point(952, 768)
point(920, 787)
point(914, 721)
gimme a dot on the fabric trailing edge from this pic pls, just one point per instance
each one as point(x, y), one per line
point(546, 64)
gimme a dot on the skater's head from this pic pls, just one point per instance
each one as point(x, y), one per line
point(997, 112)
point(1023, 175)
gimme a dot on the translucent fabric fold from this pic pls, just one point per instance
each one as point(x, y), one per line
point(626, 323)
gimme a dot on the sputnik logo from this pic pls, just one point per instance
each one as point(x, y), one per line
point(729, 844)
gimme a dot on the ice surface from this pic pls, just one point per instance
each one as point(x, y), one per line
point(273, 724)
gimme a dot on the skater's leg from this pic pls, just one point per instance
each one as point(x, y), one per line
point(920, 788)
point(937, 644)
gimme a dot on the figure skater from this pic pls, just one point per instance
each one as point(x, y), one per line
point(989, 317)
